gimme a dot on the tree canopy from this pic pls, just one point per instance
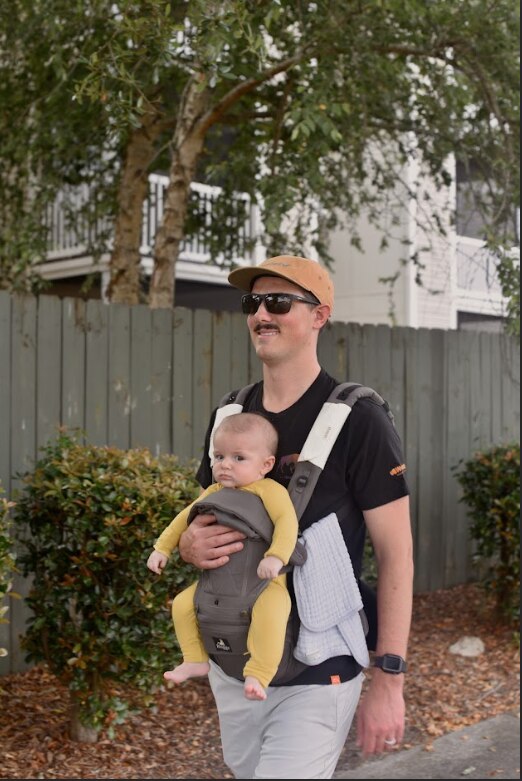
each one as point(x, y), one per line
point(309, 107)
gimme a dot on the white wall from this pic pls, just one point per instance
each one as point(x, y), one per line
point(359, 296)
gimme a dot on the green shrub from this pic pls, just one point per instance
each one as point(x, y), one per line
point(491, 490)
point(7, 563)
point(88, 517)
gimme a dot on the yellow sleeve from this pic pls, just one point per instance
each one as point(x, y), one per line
point(169, 538)
point(279, 507)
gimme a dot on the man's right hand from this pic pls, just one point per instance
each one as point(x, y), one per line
point(207, 544)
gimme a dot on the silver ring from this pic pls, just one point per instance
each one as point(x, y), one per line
point(390, 742)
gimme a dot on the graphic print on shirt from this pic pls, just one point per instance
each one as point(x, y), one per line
point(285, 468)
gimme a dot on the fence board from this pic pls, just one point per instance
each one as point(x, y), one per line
point(333, 351)
point(496, 406)
point(73, 364)
point(161, 381)
point(484, 398)
point(140, 376)
point(340, 368)
point(510, 389)
point(202, 372)
point(463, 566)
point(48, 369)
point(119, 390)
point(254, 367)
point(397, 395)
point(410, 441)
point(458, 442)
point(182, 384)
point(355, 355)
point(239, 352)
point(97, 373)
point(429, 553)
point(378, 370)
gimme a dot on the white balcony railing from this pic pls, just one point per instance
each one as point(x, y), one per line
point(71, 235)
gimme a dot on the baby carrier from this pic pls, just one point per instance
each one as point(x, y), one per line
point(225, 596)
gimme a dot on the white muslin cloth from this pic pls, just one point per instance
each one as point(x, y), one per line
point(328, 598)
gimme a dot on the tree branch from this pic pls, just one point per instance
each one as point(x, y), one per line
point(217, 112)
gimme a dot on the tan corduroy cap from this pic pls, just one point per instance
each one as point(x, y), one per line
point(306, 273)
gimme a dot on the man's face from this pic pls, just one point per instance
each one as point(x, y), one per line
point(277, 337)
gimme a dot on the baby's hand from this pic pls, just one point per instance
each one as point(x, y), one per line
point(156, 561)
point(269, 567)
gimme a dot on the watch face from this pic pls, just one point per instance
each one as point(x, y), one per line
point(392, 663)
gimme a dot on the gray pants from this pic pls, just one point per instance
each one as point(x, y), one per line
point(297, 732)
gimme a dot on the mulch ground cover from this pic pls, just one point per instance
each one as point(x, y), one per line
point(179, 736)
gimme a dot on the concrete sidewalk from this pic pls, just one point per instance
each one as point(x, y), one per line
point(488, 749)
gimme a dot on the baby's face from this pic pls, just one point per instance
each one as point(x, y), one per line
point(240, 459)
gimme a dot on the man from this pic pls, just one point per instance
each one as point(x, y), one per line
point(300, 729)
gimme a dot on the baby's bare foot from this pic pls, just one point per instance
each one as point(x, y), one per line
point(187, 670)
point(253, 689)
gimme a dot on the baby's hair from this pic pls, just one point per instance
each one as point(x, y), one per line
point(244, 422)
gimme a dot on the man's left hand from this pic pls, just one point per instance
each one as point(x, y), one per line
point(380, 716)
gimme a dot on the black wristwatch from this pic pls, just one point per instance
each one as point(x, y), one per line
point(390, 663)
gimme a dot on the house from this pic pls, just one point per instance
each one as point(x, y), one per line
point(455, 285)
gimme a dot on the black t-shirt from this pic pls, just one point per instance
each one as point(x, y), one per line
point(364, 470)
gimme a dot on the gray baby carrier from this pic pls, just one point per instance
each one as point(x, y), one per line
point(225, 596)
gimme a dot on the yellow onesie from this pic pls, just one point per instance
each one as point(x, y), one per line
point(271, 610)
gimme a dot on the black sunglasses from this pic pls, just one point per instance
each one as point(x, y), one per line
point(275, 303)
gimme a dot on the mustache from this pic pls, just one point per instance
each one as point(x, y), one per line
point(265, 327)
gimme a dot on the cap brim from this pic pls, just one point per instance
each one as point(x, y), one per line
point(243, 278)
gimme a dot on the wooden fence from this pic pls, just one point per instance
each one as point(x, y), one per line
point(129, 377)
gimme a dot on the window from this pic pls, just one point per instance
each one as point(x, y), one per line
point(473, 194)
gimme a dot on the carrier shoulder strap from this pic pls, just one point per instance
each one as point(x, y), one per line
point(322, 437)
point(320, 440)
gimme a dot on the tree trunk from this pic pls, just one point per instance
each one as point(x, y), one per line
point(77, 730)
point(124, 265)
point(187, 146)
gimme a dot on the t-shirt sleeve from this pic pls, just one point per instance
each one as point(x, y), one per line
point(376, 466)
point(204, 472)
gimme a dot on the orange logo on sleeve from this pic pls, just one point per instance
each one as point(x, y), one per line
point(398, 470)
